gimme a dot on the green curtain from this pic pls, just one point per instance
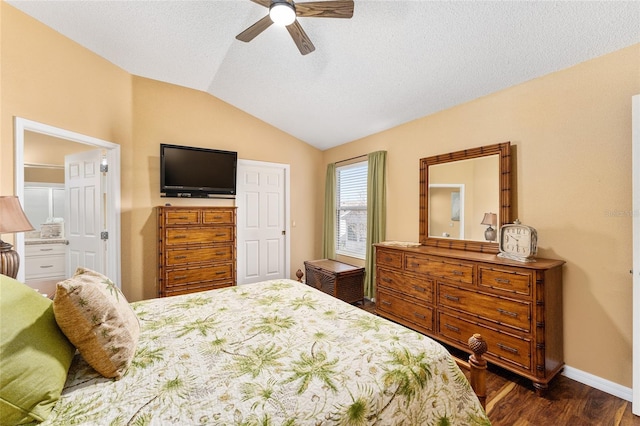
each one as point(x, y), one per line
point(376, 215)
point(329, 224)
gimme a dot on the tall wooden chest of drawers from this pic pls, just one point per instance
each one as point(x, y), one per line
point(196, 249)
point(452, 294)
point(338, 279)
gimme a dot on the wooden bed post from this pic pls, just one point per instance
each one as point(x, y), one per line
point(299, 274)
point(478, 367)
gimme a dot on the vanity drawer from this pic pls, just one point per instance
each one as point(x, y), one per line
point(405, 310)
point(176, 236)
point(509, 312)
point(390, 258)
point(451, 270)
point(505, 280)
point(514, 350)
point(410, 285)
point(199, 255)
point(182, 217)
point(44, 249)
point(45, 266)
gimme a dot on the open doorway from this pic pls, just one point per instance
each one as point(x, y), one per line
point(67, 142)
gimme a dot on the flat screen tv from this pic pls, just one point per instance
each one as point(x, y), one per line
point(197, 172)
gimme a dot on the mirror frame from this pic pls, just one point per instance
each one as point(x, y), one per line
point(504, 152)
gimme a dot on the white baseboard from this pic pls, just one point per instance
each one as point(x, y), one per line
point(598, 383)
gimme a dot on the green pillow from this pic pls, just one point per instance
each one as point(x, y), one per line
point(35, 355)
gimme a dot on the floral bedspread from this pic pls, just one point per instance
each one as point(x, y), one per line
point(271, 353)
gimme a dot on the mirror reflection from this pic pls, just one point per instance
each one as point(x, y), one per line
point(460, 194)
point(465, 196)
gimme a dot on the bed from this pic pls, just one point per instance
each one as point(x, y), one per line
point(272, 353)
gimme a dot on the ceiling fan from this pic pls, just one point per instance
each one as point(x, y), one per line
point(285, 12)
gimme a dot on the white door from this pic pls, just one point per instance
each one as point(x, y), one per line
point(636, 251)
point(85, 211)
point(263, 212)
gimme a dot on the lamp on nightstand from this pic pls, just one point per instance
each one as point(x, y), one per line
point(490, 219)
point(12, 220)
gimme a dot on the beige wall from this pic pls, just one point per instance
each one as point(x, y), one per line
point(571, 131)
point(45, 77)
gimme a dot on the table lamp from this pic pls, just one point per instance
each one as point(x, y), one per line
point(12, 220)
point(490, 219)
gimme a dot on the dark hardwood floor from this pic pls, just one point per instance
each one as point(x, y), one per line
point(512, 401)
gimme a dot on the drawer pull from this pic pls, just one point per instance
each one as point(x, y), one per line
point(46, 266)
point(220, 273)
point(180, 257)
point(387, 280)
point(452, 298)
point(181, 277)
point(421, 316)
point(503, 280)
point(385, 302)
point(507, 348)
point(415, 264)
point(179, 237)
point(420, 289)
point(511, 314)
point(452, 328)
point(220, 253)
point(221, 234)
point(456, 272)
point(46, 249)
point(217, 217)
point(183, 218)
point(387, 259)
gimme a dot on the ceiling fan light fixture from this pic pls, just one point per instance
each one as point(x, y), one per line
point(282, 13)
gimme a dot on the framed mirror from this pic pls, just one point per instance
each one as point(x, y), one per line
point(465, 197)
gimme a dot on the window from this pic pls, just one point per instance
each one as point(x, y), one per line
point(351, 210)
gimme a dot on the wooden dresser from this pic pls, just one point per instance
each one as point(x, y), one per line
point(196, 249)
point(452, 294)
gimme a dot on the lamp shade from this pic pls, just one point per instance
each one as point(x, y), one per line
point(490, 219)
point(12, 217)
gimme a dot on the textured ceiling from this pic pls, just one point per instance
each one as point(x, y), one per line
point(393, 62)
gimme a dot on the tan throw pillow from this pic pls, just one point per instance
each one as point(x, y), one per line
point(95, 316)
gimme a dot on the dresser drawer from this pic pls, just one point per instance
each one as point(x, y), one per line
point(398, 307)
point(217, 217)
point(392, 259)
point(176, 236)
point(505, 280)
point(512, 349)
point(418, 287)
point(193, 288)
point(184, 276)
point(451, 270)
point(199, 255)
point(182, 217)
point(495, 309)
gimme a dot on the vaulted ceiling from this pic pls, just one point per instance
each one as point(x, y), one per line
point(393, 62)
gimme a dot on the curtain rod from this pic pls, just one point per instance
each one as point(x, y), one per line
point(352, 158)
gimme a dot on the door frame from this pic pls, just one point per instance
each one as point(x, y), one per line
point(287, 208)
point(113, 267)
point(635, 185)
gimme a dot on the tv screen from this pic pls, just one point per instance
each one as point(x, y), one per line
point(197, 172)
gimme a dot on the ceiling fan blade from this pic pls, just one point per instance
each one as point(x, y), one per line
point(325, 9)
point(254, 30)
point(265, 3)
point(300, 38)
